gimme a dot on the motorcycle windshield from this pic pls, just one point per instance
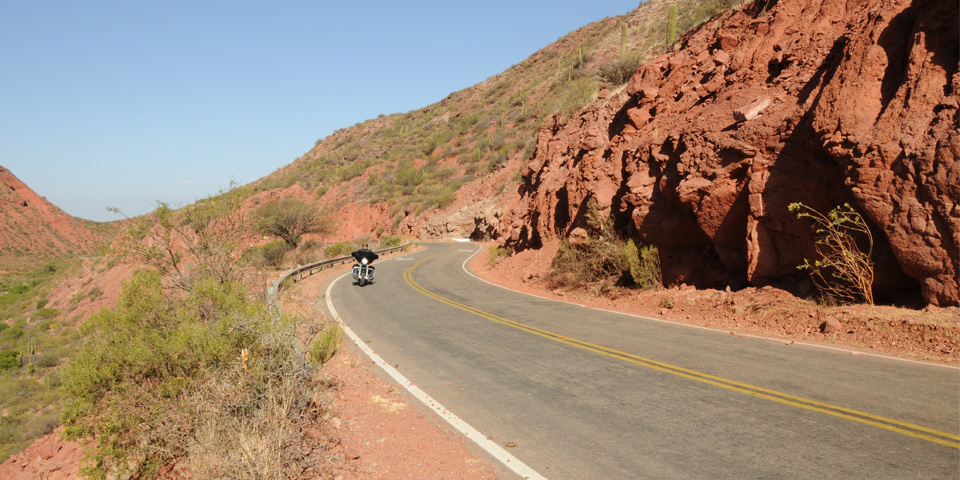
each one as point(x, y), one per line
point(369, 255)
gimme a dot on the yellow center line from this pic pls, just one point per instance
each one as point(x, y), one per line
point(889, 424)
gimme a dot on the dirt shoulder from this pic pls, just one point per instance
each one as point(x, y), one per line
point(931, 334)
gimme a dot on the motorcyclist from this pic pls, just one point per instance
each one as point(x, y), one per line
point(364, 255)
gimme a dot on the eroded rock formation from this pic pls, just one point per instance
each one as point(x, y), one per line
point(817, 101)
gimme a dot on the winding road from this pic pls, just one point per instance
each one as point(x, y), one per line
point(573, 392)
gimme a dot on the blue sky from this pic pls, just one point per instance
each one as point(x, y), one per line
point(123, 104)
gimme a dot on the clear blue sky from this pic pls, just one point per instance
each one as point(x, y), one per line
point(126, 103)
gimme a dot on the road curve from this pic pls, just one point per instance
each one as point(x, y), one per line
point(581, 393)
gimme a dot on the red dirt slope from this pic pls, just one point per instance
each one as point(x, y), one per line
point(33, 228)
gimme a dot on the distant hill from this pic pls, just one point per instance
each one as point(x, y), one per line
point(33, 229)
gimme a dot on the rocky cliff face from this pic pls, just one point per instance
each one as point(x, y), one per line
point(814, 101)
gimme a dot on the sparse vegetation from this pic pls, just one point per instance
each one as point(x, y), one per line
point(844, 271)
point(416, 162)
point(31, 345)
point(391, 241)
point(186, 244)
point(701, 11)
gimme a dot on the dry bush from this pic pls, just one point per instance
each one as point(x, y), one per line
point(255, 420)
point(604, 260)
point(620, 71)
point(596, 264)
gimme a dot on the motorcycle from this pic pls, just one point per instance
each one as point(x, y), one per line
point(363, 272)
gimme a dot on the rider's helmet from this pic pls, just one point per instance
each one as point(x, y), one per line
point(364, 245)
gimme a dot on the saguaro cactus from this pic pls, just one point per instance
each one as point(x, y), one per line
point(671, 25)
point(623, 39)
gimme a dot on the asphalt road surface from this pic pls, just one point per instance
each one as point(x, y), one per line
point(579, 393)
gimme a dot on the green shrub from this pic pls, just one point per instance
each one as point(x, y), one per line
point(497, 253)
point(203, 378)
point(46, 313)
point(390, 241)
point(12, 333)
point(273, 253)
point(328, 344)
point(643, 265)
point(571, 95)
point(338, 249)
point(149, 339)
point(9, 359)
point(95, 293)
point(702, 12)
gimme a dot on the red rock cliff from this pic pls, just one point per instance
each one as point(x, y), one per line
point(817, 101)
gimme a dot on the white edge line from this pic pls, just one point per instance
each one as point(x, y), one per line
point(662, 320)
point(463, 427)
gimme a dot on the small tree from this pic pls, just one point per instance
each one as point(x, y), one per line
point(290, 219)
point(845, 270)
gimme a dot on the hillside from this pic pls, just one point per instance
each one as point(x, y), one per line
point(448, 168)
point(34, 229)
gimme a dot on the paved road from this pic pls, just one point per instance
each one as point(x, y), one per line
point(584, 393)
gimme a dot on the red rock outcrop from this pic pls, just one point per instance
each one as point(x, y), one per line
point(49, 457)
point(814, 101)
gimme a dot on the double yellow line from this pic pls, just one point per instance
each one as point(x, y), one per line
point(889, 424)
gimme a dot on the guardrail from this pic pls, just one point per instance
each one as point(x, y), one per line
point(304, 271)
